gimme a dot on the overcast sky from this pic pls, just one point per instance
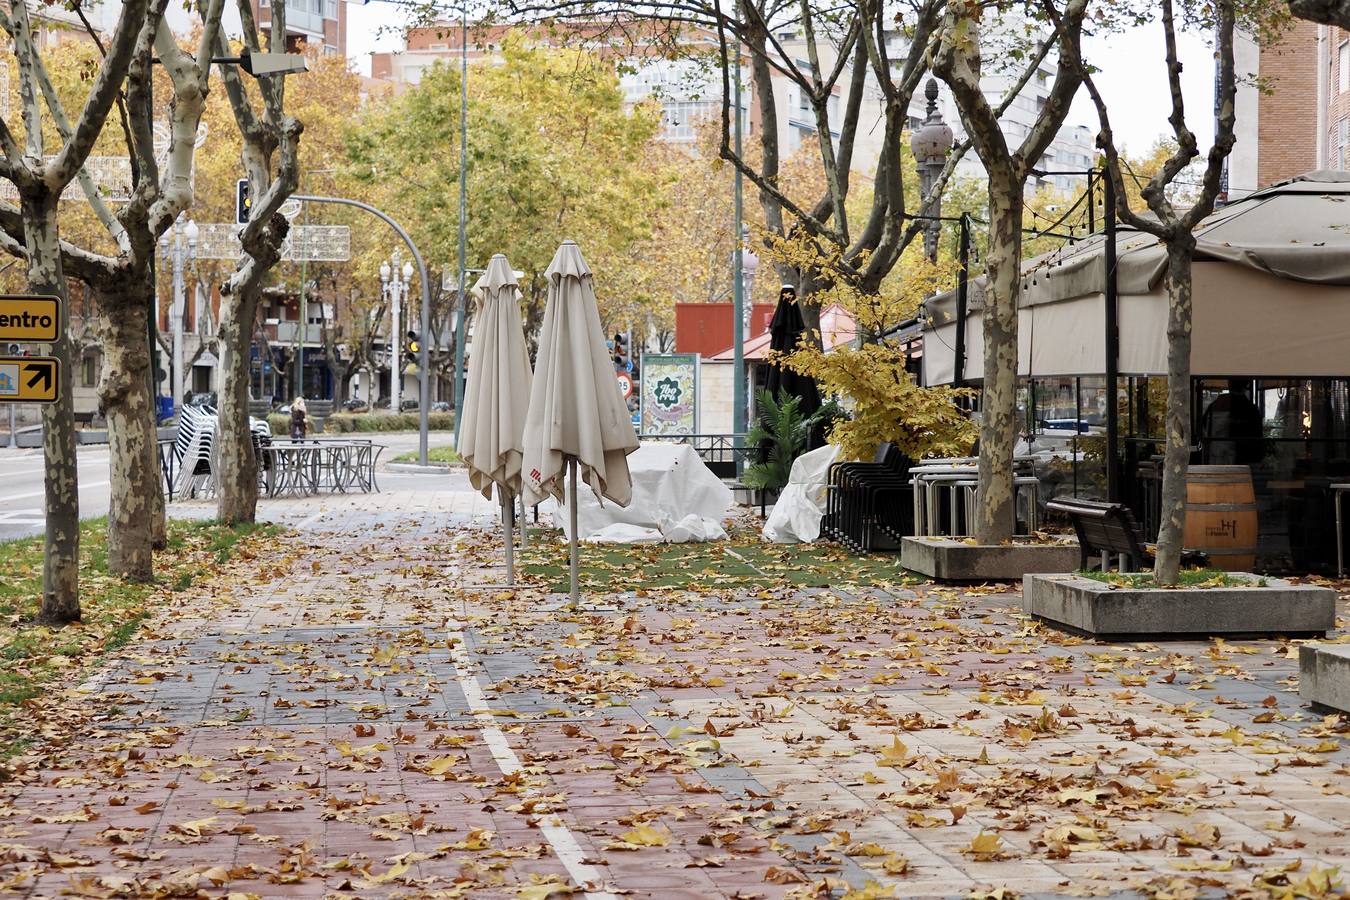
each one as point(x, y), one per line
point(1132, 77)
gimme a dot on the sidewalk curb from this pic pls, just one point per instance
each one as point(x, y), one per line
point(415, 469)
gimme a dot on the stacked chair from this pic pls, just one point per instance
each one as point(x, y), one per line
point(869, 506)
point(194, 450)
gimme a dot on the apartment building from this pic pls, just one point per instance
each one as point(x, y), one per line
point(1293, 108)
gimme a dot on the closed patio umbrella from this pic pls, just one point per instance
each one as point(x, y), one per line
point(785, 332)
point(496, 395)
point(577, 418)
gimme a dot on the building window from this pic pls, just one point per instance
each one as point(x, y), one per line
point(1342, 140)
point(682, 117)
point(1343, 66)
point(89, 370)
point(330, 9)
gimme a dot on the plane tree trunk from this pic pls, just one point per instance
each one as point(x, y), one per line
point(61, 552)
point(136, 502)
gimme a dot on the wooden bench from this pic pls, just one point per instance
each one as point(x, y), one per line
point(1111, 528)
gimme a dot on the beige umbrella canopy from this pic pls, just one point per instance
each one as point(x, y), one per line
point(497, 393)
point(576, 410)
point(577, 419)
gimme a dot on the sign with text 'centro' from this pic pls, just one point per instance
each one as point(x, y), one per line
point(29, 318)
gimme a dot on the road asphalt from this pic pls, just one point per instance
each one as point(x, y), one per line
point(21, 481)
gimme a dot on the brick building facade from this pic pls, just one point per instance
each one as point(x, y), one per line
point(1293, 107)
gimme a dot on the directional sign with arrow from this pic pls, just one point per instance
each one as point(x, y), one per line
point(29, 379)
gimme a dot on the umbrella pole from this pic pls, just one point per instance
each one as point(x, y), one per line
point(508, 505)
point(572, 520)
point(524, 525)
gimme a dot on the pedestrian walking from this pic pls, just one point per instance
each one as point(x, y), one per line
point(298, 419)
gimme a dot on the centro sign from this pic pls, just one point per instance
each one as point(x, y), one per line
point(29, 318)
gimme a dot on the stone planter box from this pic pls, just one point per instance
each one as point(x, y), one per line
point(951, 559)
point(1324, 675)
point(1086, 606)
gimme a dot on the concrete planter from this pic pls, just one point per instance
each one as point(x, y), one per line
point(1086, 606)
point(951, 559)
point(1324, 675)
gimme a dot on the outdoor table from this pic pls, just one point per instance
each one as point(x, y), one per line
point(292, 468)
point(1338, 490)
point(925, 480)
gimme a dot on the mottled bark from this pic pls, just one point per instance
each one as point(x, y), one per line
point(1177, 454)
point(1176, 229)
point(235, 466)
point(61, 555)
point(995, 521)
point(125, 396)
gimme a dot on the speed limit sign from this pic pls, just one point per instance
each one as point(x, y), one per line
point(626, 384)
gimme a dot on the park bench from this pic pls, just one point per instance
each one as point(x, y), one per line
point(1110, 529)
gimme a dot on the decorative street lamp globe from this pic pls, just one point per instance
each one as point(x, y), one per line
point(931, 142)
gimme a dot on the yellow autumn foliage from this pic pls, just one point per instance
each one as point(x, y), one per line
point(885, 401)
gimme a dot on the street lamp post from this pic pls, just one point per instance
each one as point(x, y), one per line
point(740, 407)
point(178, 252)
point(749, 266)
point(389, 278)
point(420, 267)
point(931, 143)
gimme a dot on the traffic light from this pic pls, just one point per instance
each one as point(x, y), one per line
point(243, 203)
point(412, 348)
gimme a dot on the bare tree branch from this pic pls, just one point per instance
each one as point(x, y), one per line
point(104, 91)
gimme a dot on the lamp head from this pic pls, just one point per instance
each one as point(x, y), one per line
point(749, 262)
point(384, 271)
point(407, 271)
point(192, 231)
point(260, 64)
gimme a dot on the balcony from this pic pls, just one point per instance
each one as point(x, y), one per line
point(286, 333)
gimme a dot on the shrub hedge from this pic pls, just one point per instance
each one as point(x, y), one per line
point(344, 423)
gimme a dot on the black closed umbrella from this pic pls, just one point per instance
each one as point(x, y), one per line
point(785, 333)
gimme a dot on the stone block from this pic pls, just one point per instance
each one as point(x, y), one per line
point(1269, 606)
point(952, 559)
point(1324, 675)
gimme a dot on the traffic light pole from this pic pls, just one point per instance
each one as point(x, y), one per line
point(423, 386)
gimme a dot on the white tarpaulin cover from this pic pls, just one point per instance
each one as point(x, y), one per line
point(795, 518)
point(676, 498)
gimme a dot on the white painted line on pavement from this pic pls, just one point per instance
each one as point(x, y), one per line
point(564, 843)
point(4, 498)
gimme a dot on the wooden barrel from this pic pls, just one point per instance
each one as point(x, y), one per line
point(1221, 516)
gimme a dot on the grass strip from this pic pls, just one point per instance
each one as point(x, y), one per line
point(743, 562)
point(1190, 578)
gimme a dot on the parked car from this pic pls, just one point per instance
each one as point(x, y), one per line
point(440, 406)
point(407, 406)
point(356, 406)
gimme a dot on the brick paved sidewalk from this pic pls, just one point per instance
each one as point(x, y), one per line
point(363, 713)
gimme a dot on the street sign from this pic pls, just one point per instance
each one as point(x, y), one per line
point(626, 384)
point(29, 318)
point(29, 379)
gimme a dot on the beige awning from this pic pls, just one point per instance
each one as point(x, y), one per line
point(1271, 295)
